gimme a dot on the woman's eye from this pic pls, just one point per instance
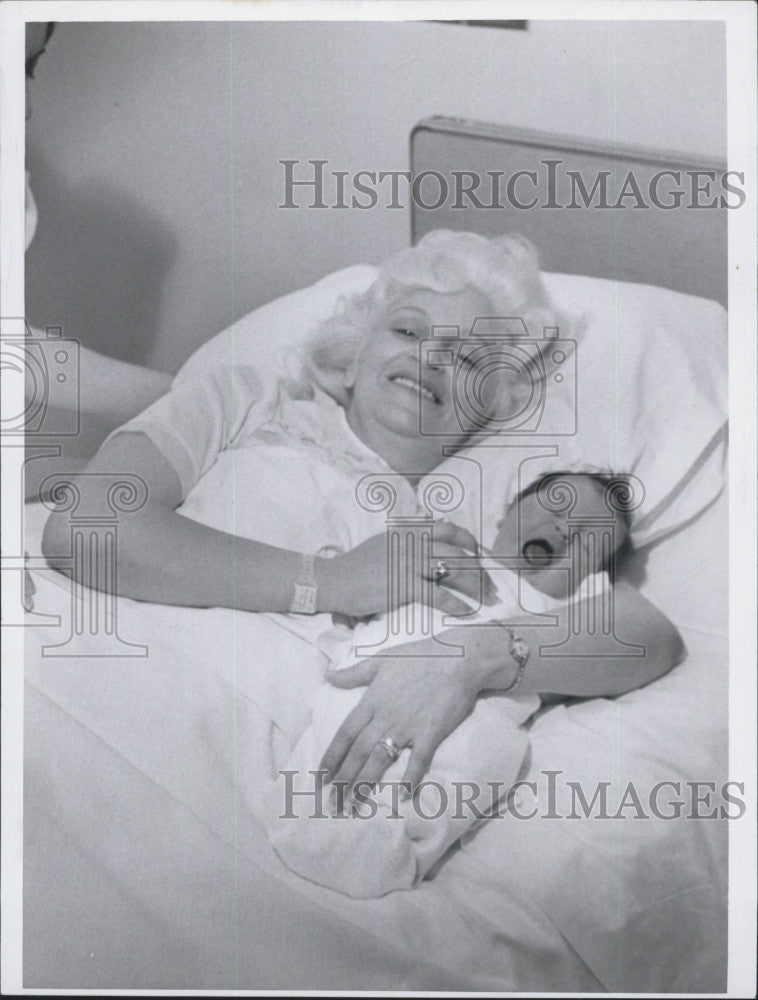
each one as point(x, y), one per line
point(404, 331)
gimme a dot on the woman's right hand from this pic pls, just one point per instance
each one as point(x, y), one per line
point(356, 582)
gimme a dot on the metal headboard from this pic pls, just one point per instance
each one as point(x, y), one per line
point(683, 248)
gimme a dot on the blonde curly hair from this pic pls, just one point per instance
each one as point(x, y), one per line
point(504, 269)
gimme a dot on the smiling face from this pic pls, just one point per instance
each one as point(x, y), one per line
point(543, 540)
point(388, 385)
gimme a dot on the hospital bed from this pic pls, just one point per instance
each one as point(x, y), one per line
point(143, 865)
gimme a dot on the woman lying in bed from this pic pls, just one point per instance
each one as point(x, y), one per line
point(251, 501)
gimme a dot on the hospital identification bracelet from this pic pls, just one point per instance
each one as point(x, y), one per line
point(304, 599)
point(519, 650)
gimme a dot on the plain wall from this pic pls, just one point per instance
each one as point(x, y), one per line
point(154, 148)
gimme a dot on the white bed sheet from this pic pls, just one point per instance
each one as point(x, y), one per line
point(144, 866)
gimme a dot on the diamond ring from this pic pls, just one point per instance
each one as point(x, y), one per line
point(390, 747)
point(440, 571)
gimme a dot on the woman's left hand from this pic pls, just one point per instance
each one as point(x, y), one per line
point(414, 699)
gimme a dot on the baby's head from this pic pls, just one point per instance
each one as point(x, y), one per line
point(566, 521)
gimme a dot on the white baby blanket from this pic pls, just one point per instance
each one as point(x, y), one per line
point(386, 843)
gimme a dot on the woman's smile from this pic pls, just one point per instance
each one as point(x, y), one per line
point(401, 405)
point(417, 388)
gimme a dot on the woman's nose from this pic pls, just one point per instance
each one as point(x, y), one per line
point(28, 103)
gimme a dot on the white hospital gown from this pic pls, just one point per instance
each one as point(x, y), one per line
point(261, 462)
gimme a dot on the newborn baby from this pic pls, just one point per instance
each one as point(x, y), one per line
point(555, 545)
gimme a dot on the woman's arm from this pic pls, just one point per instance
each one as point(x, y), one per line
point(170, 559)
point(110, 389)
point(418, 698)
point(117, 390)
point(110, 392)
point(636, 621)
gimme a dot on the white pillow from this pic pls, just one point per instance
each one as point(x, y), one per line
point(272, 337)
point(652, 393)
point(650, 397)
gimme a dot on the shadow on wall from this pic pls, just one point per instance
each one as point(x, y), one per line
point(104, 241)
